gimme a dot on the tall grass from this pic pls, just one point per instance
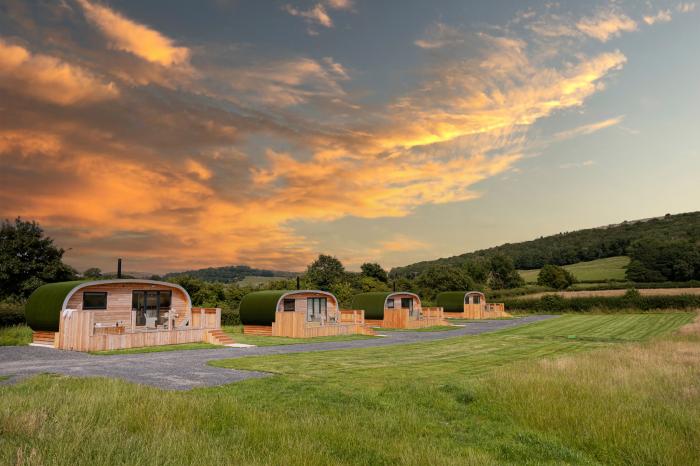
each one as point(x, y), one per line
point(15, 335)
point(428, 403)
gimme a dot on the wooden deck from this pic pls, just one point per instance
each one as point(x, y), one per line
point(400, 318)
point(480, 311)
point(87, 331)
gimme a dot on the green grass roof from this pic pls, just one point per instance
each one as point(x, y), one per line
point(259, 307)
point(43, 307)
point(451, 301)
point(372, 303)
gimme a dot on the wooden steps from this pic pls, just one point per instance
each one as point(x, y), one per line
point(219, 337)
point(261, 330)
point(42, 338)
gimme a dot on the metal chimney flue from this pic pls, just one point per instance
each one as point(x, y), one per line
point(394, 286)
point(119, 268)
point(298, 283)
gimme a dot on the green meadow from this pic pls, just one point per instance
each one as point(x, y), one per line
point(601, 270)
point(577, 389)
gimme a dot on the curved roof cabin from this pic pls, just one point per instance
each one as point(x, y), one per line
point(297, 314)
point(117, 314)
point(397, 309)
point(469, 305)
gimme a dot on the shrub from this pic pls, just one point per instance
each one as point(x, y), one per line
point(632, 300)
point(555, 276)
point(230, 317)
point(11, 313)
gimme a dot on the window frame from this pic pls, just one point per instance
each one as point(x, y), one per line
point(95, 293)
point(390, 300)
point(287, 301)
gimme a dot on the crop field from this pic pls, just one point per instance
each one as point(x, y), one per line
point(576, 389)
point(611, 268)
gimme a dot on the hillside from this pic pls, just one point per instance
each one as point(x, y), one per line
point(577, 246)
point(231, 273)
point(599, 270)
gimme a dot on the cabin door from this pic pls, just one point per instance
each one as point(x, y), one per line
point(407, 303)
point(150, 306)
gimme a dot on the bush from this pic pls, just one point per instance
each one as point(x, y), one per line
point(632, 300)
point(555, 277)
point(230, 317)
point(11, 313)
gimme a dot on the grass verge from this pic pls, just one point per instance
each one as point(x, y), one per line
point(236, 332)
point(16, 335)
point(434, 328)
point(158, 349)
point(442, 402)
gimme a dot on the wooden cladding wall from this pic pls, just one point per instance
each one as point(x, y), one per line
point(294, 325)
point(400, 318)
point(480, 311)
point(77, 332)
point(300, 302)
point(119, 296)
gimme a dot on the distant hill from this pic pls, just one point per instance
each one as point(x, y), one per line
point(577, 246)
point(230, 273)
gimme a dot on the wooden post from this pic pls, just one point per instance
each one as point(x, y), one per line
point(133, 321)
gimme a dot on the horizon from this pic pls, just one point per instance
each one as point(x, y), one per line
point(263, 134)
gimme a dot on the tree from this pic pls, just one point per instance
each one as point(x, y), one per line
point(654, 259)
point(28, 259)
point(443, 278)
point(503, 273)
point(554, 276)
point(374, 270)
point(92, 272)
point(325, 271)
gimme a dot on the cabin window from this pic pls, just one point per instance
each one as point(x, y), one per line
point(390, 303)
point(316, 308)
point(407, 303)
point(151, 305)
point(476, 299)
point(94, 300)
point(290, 305)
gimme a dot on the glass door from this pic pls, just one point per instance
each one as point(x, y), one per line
point(407, 303)
point(151, 307)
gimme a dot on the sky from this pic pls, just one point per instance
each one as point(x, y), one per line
point(180, 135)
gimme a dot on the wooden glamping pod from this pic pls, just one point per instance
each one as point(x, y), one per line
point(119, 314)
point(298, 314)
point(396, 310)
point(469, 305)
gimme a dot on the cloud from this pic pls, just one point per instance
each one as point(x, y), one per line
point(588, 129)
point(685, 7)
point(316, 14)
point(50, 79)
point(129, 36)
point(663, 16)
point(340, 4)
point(220, 172)
point(440, 35)
point(606, 24)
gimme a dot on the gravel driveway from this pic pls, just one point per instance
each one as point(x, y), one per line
point(187, 369)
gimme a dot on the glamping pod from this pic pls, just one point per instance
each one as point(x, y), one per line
point(469, 305)
point(396, 310)
point(298, 314)
point(118, 314)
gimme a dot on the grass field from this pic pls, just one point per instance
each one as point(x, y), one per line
point(611, 268)
point(525, 395)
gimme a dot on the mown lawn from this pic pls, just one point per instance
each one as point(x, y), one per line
point(533, 394)
point(236, 332)
point(611, 268)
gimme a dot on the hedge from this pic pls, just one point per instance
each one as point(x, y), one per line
point(230, 317)
point(630, 301)
point(11, 314)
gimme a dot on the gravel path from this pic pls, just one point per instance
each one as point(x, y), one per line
point(187, 369)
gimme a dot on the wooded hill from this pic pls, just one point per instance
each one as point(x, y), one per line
point(230, 273)
point(577, 246)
